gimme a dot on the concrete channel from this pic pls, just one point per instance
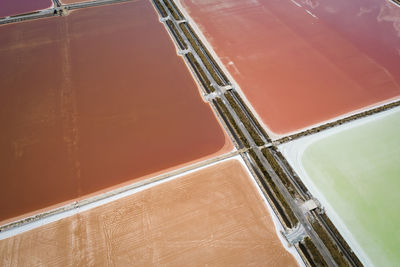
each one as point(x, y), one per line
point(305, 224)
point(219, 93)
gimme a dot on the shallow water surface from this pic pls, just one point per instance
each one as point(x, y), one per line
point(92, 100)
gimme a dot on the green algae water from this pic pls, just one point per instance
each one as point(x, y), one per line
point(358, 172)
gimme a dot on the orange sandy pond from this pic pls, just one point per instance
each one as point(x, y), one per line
point(301, 62)
point(92, 100)
point(210, 217)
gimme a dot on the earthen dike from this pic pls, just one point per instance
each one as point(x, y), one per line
point(320, 242)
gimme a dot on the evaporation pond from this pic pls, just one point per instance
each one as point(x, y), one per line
point(357, 170)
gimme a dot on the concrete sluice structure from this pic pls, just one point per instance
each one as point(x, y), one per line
point(118, 109)
point(354, 170)
point(99, 99)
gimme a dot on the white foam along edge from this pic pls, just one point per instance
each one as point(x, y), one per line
point(141, 186)
point(293, 152)
point(277, 224)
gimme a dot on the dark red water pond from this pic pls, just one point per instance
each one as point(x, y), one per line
point(91, 100)
point(15, 7)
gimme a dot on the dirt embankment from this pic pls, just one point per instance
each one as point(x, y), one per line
point(213, 216)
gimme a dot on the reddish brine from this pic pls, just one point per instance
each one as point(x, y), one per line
point(92, 100)
point(302, 62)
